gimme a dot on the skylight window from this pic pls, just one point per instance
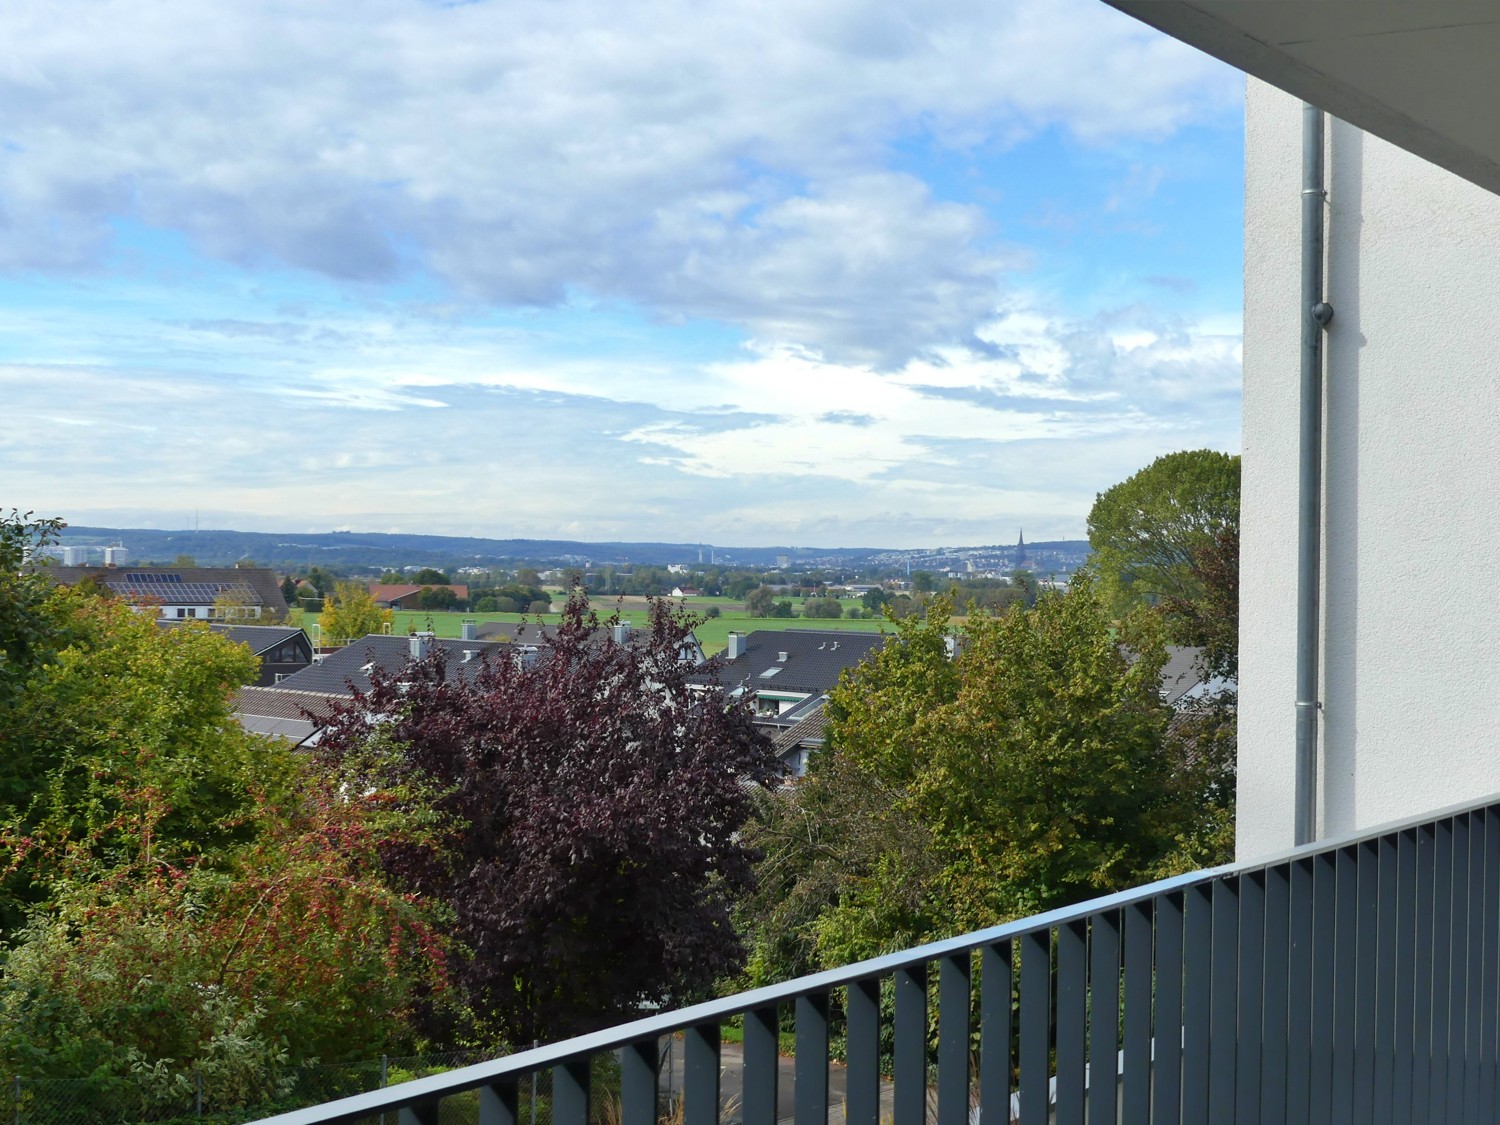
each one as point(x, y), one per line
point(771, 671)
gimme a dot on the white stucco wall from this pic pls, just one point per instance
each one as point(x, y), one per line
point(1411, 598)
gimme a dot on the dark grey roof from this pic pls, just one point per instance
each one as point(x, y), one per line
point(354, 663)
point(179, 585)
point(278, 703)
point(814, 659)
point(1181, 672)
point(260, 638)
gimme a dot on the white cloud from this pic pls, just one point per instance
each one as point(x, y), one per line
point(727, 160)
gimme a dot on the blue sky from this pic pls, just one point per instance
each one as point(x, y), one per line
point(890, 274)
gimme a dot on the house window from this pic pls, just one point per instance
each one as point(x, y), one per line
point(280, 676)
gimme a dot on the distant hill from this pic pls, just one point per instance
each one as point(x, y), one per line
point(290, 550)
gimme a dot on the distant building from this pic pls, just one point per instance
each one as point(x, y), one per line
point(779, 669)
point(116, 556)
point(392, 596)
point(185, 593)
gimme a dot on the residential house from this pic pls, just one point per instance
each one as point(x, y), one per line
point(390, 595)
point(183, 593)
point(777, 669)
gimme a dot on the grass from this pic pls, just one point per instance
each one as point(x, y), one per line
point(713, 633)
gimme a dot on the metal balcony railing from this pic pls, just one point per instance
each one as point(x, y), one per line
point(1348, 981)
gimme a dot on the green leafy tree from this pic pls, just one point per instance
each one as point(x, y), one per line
point(782, 609)
point(439, 598)
point(1023, 768)
point(124, 708)
point(351, 613)
point(429, 577)
point(760, 601)
point(1144, 531)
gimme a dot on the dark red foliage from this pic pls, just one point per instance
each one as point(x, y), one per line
point(591, 799)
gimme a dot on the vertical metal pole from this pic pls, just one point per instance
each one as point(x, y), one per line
point(759, 1082)
point(198, 1092)
point(1310, 477)
point(995, 967)
point(810, 1072)
point(910, 1047)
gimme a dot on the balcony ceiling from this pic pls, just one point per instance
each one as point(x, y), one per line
point(1423, 75)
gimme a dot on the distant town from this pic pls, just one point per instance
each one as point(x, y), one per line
point(369, 555)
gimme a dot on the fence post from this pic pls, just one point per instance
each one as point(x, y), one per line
point(198, 1090)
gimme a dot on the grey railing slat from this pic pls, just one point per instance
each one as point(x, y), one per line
point(1036, 1025)
point(1474, 974)
point(911, 1046)
point(1320, 1074)
point(1299, 992)
point(1383, 981)
point(419, 1113)
point(1104, 1015)
point(1251, 991)
point(1422, 999)
point(762, 1076)
point(863, 1053)
point(1135, 1083)
point(1408, 967)
point(1166, 1075)
point(1072, 1009)
point(1223, 998)
point(1273, 1019)
point(1197, 950)
point(700, 1075)
point(995, 995)
point(953, 1040)
point(638, 1066)
point(499, 1103)
point(1458, 963)
point(1442, 962)
point(1489, 991)
point(570, 1093)
point(810, 1098)
point(1345, 965)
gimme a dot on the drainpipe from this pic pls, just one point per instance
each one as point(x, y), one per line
point(1316, 314)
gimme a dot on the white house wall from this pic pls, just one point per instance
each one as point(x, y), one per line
point(1411, 600)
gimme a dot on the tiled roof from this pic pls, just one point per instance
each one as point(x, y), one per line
point(354, 663)
point(808, 729)
point(278, 703)
point(814, 659)
point(384, 592)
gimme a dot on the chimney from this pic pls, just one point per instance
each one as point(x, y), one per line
point(736, 646)
point(620, 632)
point(469, 654)
point(470, 631)
point(421, 645)
point(781, 658)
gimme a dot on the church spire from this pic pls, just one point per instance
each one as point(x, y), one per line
point(1021, 548)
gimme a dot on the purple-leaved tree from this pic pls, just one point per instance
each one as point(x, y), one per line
point(577, 809)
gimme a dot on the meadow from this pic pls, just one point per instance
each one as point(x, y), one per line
point(713, 633)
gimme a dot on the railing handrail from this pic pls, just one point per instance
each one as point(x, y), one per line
point(715, 1011)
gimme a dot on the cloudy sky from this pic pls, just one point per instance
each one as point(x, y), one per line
point(850, 272)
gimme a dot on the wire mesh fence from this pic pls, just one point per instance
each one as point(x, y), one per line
point(161, 1095)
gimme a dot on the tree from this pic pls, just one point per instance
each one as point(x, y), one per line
point(588, 801)
point(1212, 621)
point(922, 582)
point(822, 607)
point(1144, 531)
point(782, 609)
point(760, 601)
point(123, 709)
point(875, 599)
point(429, 577)
point(1028, 771)
point(351, 613)
point(438, 597)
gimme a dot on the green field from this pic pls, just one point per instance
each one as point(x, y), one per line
point(713, 634)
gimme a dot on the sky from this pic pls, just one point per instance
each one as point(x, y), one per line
point(753, 272)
